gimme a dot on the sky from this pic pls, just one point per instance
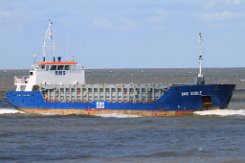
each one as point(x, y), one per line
point(125, 33)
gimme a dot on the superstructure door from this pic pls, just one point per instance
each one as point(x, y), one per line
point(206, 102)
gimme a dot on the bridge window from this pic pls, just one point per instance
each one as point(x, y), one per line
point(67, 67)
point(60, 67)
point(53, 67)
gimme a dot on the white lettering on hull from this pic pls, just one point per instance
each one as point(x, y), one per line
point(194, 93)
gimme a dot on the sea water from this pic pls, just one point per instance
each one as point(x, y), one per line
point(208, 136)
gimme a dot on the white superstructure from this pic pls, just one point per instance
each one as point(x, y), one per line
point(51, 72)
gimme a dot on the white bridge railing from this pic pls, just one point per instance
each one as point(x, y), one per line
point(21, 79)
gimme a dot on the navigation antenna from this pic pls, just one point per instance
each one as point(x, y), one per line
point(200, 77)
point(48, 43)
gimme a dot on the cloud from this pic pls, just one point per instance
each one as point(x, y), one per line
point(234, 2)
point(10, 22)
point(224, 19)
point(211, 4)
point(4, 14)
point(159, 16)
point(226, 3)
point(219, 16)
point(122, 24)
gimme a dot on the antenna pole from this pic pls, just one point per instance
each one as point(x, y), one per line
point(47, 38)
point(200, 56)
point(200, 77)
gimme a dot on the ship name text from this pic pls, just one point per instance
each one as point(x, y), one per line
point(194, 93)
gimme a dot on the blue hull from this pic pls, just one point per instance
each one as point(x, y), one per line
point(177, 98)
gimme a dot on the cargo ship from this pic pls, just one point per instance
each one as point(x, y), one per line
point(59, 87)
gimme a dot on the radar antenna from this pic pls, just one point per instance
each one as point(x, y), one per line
point(48, 43)
point(200, 77)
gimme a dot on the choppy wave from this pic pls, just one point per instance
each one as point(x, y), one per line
point(116, 115)
point(222, 112)
point(9, 111)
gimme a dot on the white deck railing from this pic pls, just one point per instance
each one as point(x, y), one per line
point(21, 79)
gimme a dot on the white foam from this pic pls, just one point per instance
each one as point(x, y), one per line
point(48, 114)
point(116, 115)
point(222, 112)
point(9, 111)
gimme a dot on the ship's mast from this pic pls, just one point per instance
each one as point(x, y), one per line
point(48, 42)
point(200, 56)
point(200, 77)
